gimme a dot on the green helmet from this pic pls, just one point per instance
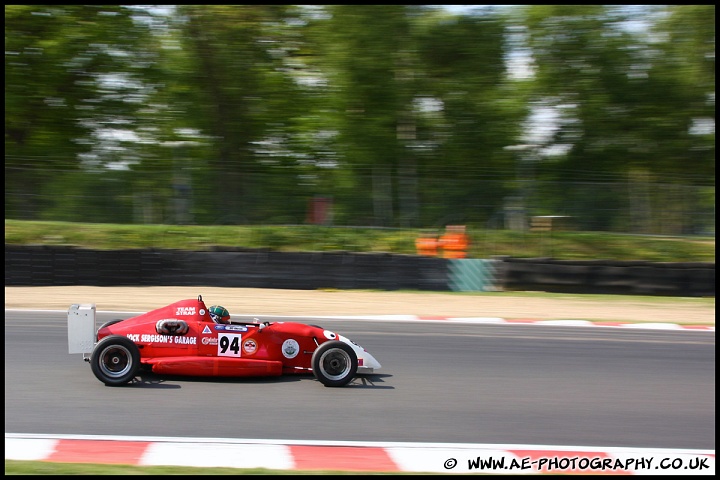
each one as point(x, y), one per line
point(219, 314)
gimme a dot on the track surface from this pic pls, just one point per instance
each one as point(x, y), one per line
point(457, 383)
point(263, 301)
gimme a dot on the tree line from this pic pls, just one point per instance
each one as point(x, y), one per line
point(382, 115)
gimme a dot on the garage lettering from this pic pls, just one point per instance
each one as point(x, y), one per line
point(145, 337)
point(185, 340)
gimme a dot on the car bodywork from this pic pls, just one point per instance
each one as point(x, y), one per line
point(182, 339)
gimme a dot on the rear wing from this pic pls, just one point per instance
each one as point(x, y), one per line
point(81, 328)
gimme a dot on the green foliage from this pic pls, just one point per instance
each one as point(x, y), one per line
point(58, 92)
point(628, 101)
point(483, 243)
point(399, 113)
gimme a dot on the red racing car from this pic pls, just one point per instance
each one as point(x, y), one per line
point(183, 339)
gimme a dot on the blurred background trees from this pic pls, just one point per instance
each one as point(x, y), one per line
point(384, 115)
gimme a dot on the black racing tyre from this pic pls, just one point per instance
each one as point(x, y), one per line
point(107, 324)
point(334, 363)
point(115, 360)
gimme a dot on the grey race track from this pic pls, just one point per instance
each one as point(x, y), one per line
point(457, 383)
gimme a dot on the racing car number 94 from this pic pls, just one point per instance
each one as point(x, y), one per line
point(229, 345)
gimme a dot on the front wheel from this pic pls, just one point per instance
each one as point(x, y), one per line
point(115, 360)
point(334, 363)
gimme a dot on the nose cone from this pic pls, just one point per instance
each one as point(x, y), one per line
point(366, 362)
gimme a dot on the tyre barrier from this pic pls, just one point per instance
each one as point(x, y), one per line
point(683, 279)
point(58, 266)
point(259, 268)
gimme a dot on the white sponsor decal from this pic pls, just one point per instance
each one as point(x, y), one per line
point(207, 329)
point(249, 346)
point(229, 344)
point(235, 328)
point(152, 338)
point(231, 328)
point(290, 348)
point(185, 340)
point(185, 311)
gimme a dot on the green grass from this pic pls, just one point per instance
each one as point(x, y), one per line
point(21, 467)
point(483, 243)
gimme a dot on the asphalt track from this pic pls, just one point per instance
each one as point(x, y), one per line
point(440, 382)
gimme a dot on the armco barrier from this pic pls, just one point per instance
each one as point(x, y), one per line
point(245, 268)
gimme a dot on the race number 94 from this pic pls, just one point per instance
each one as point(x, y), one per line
point(229, 344)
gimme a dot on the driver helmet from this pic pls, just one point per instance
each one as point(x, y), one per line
point(219, 314)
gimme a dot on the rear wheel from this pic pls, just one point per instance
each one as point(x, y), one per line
point(115, 360)
point(107, 324)
point(334, 363)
